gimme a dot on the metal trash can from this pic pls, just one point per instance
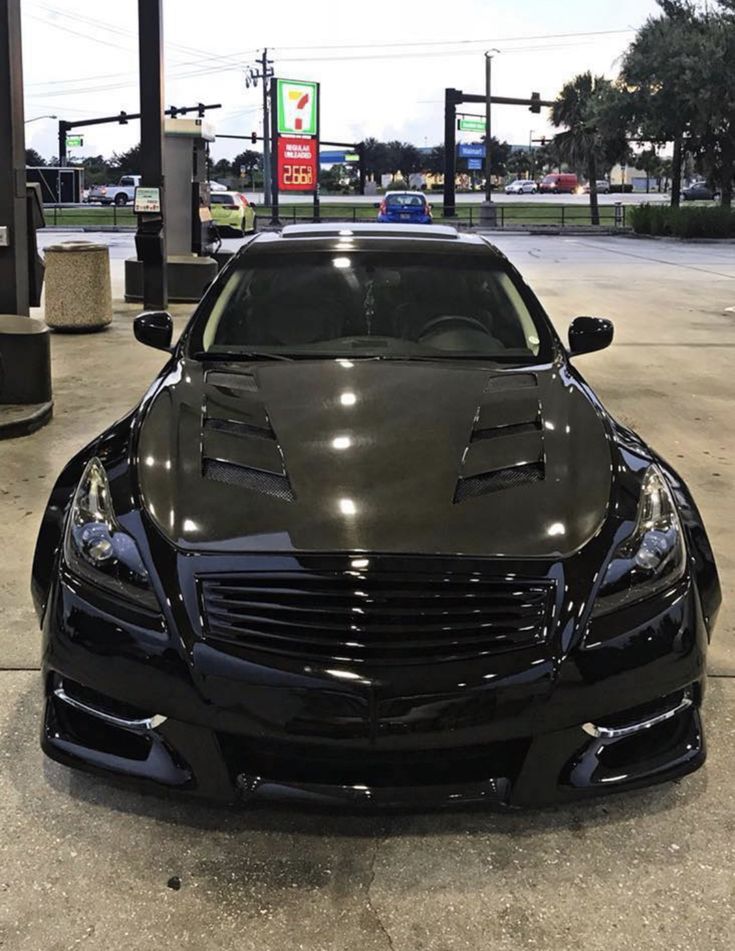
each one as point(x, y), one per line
point(78, 291)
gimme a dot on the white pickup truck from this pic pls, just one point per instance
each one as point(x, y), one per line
point(119, 194)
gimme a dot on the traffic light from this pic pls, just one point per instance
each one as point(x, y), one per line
point(253, 137)
point(535, 102)
point(123, 120)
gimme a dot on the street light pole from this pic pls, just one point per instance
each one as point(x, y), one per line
point(488, 213)
point(36, 118)
point(488, 128)
point(531, 155)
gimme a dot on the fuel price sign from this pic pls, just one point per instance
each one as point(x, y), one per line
point(298, 164)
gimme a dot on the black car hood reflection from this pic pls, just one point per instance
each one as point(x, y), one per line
point(368, 455)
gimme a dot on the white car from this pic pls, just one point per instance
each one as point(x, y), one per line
point(521, 186)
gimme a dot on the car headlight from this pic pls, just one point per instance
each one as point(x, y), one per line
point(653, 557)
point(97, 548)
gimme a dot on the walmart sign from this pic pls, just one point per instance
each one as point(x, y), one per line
point(471, 151)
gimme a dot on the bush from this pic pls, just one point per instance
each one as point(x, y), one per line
point(683, 222)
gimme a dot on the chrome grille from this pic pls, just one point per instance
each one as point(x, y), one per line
point(376, 617)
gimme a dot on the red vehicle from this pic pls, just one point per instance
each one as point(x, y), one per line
point(558, 183)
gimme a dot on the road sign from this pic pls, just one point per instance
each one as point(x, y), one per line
point(474, 164)
point(471, 125)
point(298, 164)
point(352, 157)
point(74, 141)
point(297, 107)
point(471, 150)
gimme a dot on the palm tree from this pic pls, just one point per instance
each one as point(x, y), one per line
point(577, 107)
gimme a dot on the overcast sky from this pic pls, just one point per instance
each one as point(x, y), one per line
point(80, 61)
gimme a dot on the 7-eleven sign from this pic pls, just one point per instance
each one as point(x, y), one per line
point(297, 106)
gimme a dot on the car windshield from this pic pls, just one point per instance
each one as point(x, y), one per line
point(406, 201)
point(550, 178)
point(371, 304)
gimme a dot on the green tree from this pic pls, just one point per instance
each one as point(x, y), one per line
point(376, 158)
point(403, 158)
point(96, 170)
point(435, 161)
point(410, 160)
point(582, 108)
point(519, 164)
point(656, 74)
point(249, 160)
point(34, 159)
point(125, 163)
point(222, 168)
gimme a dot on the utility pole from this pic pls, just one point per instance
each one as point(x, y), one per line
point(266, 131)
point(263, 73)
point(151, 237)
point(14, 292)
point(488, 211)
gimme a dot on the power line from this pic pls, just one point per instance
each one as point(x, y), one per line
point(493, 39)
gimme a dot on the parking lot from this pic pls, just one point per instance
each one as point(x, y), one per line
point(86, 865)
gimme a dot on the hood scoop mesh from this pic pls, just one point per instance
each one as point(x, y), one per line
point(266, 483)
point(239, 446)
point(505, 448)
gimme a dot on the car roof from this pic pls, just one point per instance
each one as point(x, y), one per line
point(370, 236)
point(389, 194)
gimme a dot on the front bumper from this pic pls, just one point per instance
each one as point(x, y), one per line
point(211, 725)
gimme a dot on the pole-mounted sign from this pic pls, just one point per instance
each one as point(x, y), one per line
point(471, 125)
point(295, 116)
point(298, 164)
point(297, 107)
point(74, 141)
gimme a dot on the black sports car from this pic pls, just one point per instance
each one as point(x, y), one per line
point(370, 537)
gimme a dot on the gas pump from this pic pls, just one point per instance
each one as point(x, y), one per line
point(190, 236)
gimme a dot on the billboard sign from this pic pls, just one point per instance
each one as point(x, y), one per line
point(471, 150)
point(474, 164)
point(297, 107)
point(298, 164)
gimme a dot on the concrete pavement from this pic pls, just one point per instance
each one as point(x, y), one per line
point(84, 865)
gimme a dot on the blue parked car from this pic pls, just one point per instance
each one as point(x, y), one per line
point(405, 206)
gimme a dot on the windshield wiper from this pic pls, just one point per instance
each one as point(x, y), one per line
point(241, 355)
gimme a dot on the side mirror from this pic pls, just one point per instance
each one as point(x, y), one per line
point(376, 204)
point(154, 328)
point(587, 334)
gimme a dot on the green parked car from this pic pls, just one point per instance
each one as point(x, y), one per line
point(231, 210)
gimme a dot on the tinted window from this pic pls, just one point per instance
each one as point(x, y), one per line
point(406, 201)
point(127, 181)
point(222, 199)
point(370, 303)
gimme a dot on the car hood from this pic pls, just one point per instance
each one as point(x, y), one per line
point(369, 455)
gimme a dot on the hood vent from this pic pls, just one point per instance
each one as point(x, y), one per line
point(239, 446)
point(232, 381)
point(488, 482)
point(238, 428)
point(266, 483)
point(506, 447)
point(514, 429)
